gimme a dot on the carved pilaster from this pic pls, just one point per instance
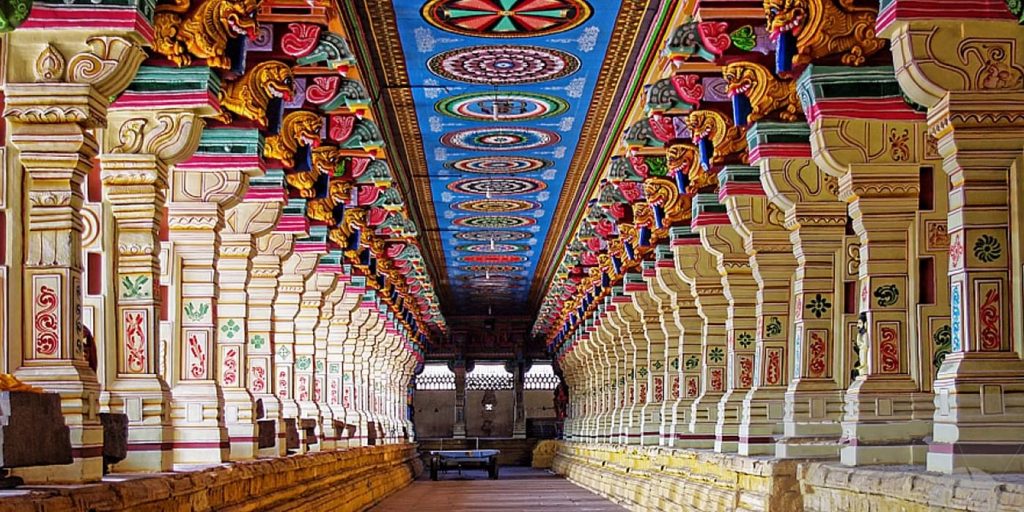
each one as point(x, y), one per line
point(58, 86)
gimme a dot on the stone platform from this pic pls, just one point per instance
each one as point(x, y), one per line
point(348, 480)
point(656, 479)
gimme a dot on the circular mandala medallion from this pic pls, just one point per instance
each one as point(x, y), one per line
point(494, 258)
point(501, 107)
point(495, 221)
point(506, 18)
point(491, 268)
point(497, 186)
point(503, 65)
point(500, 139)
point(498, 164)
point(486, 235)
point(496, 206)
point(491, 248)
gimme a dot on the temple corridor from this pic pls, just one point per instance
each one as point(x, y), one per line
point(653, 255)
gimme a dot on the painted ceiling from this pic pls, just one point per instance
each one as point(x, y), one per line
point(501, 90)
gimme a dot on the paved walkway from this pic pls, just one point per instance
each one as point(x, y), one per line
point(517, 490)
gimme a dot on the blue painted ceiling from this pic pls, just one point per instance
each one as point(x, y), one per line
point(501, 90)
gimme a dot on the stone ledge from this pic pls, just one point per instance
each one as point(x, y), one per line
point(657, 478)
point(831, 486)
point(348, 480)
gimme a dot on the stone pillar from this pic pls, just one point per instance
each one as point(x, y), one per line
point(325, 356)
point(817, 223)
point(459, 430)
point(318, 286)
point(738, 285)
point(58, 85)
point(519, 427)
point(237, 274)
point(271, 249)
point(668, 366)
point(690, 326)
point(291, 285)
point(144, 137)
point(766, 242)
point(974, 111)
point(653, 344)
point(631, 334)
point(338, 368)
point(699, 270)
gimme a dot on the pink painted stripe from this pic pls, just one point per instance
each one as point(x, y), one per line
point(685, 241)
point(779, 151)
point(44, 17)
point(329, 269)
point(932, 10)
point(665, 264)
point(222, 162)
point(649, 272)
point(886, 109)
point(710, 219)
point(265, 194)
point(740, 189)
point(166, 99)
point(621, 300)
point(310, 246)
point(292, 225)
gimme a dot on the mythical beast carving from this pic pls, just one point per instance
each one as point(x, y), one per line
point(205, 33)
point(766, 93)
point(298, 128)
point(819, 28)
point(725, 138)
point(250, 95)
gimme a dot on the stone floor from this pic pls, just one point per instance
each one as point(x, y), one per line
point(517, 489)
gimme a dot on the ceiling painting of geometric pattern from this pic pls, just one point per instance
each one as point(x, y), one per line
point(501, 91)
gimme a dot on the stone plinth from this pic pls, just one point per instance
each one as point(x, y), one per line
point(32, 430)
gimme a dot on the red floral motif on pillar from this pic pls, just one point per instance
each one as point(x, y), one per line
point(818, 347)
point(888, 348)
point(691, 387)
point(231, 366)
point(991, 337)
point(716, 379)
point(259, 379)
point(197, 359)
point(773, 372)
point(135, 341)
point(746, 364)
point(46, 323)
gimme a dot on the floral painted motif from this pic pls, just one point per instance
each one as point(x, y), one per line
point(46, 321)
point(642, 372)
point(692, 362)
point(745, 339)
point(283, 353)
point(197, 356)
point(774, 327)
point(819, 305)
point(259, 379)
point(231, 366)
point(230, 329)
point(137, 287)
point(716, 381)
point(956, 310)
point(303, 362)
point(746, 366)
point(956, 251)
point(887, 295)
point(816, 359)
point(675, 388)
point(773, 371)
point(691, 387)
point(196, 311)
point(716, 354)
point(943, 339)
point(257, 341)
point(888, 348)
point(135, 341)
point(991, 335)
point(987, 249)
point(303, 388)
point(659, 390)
point(282, 383)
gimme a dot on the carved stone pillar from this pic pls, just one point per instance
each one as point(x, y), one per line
point(144, 137)
point(291, 285)
point(631, 332)
point(351, 371)
point(459, 368)
point(318, 286)
point(699, 270)
point(719, 238)
point(817, 223)
point(877, 154)
point(329, 431)
point(58, 86)
point(608, 345)
point(968, 71)
point(766, 242)
point(666, 368)
point(653, 345)
point(271, 249)
point(237, 273)
point(338, 369)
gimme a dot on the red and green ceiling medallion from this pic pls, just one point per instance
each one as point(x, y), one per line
point(492, 248)
point(495, 221)
point(498, 164)
point(506, 18)
point(491, 268)
point(493, 236)
point(494, 258)
point(497, 186)
point(501, 107)
point(496, 206)
point(503, 64)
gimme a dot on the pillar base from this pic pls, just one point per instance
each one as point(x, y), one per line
point(704, 417)
point(200, 437)
point(727, 425)
point(761, 423)
point(650, 424)
point(812, 425)
point(239, 414)
point(885, 422)
point(979, 409)
point(147, 402)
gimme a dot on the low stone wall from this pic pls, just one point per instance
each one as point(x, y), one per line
point(655, 479)
point(829, 487)
point(349, 480)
